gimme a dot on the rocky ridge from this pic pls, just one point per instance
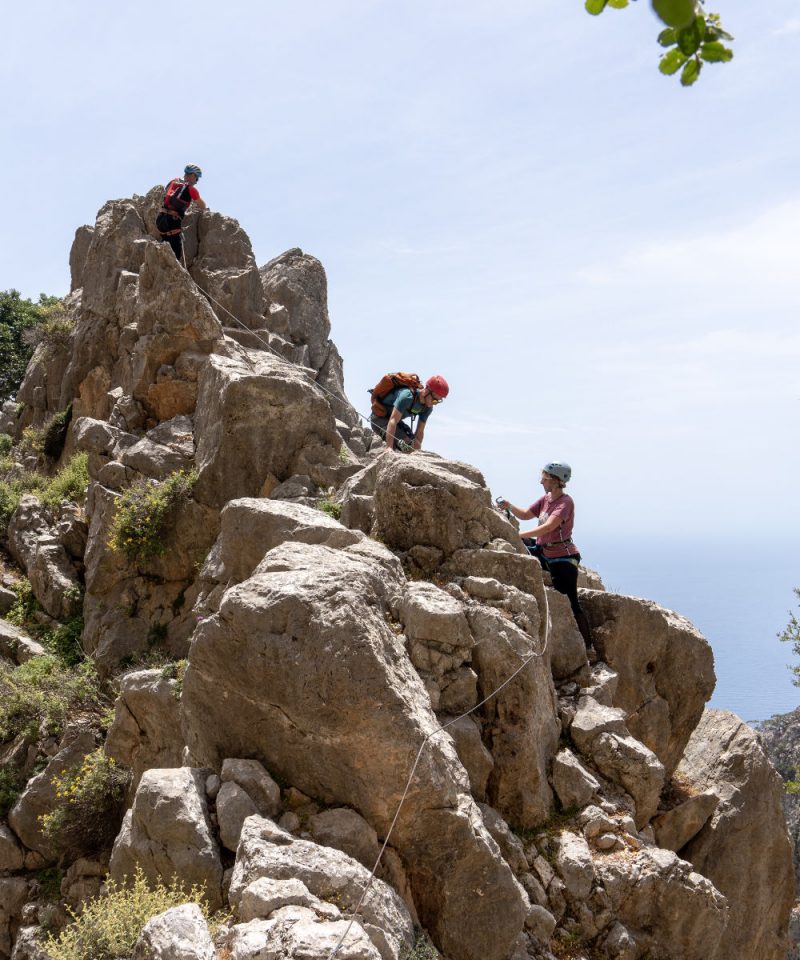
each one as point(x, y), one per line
point(585, 810)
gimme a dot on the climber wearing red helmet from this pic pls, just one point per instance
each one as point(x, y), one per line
point(404, 402)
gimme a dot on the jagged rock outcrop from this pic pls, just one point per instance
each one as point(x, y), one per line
point(310, 611)
point(724, 756)
point(556, 808)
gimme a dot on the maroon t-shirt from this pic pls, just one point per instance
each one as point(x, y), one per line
point(562, 507)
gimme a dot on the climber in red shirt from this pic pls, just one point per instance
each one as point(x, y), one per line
point(179, 196)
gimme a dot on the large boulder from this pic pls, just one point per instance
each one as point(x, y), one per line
point(259, 421)
point(146, 731)
point(422, 500)
point(665, 669)
point(167, 832)
point(304, 649)
point(744, 848)
point(670, 910)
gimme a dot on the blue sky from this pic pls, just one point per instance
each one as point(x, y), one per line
point(603, 264)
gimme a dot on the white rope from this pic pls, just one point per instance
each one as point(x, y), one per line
point(424, 743)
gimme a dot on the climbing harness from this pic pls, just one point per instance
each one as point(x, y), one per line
point(428, 738)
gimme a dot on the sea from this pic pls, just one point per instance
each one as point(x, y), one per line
point(737, 598)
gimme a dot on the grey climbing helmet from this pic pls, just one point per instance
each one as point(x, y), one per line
point(561, 470)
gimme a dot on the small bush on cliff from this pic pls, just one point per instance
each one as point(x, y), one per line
point(55, 433)
point(89, 808)
point(143, 514)
point(330, 506)
point(423, 949)
point(109, 926)
point(53, 326)
point(42, 693)
point(11, 784)
point(70, 483)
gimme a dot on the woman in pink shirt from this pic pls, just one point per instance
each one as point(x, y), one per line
point(551, 540)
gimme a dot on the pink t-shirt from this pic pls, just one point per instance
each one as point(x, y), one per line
point(562, 507)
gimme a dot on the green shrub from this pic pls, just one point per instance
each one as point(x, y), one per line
point(423, 949)
point(55, 433)
point(54, 326)
point(332, 507)
point(32, 441)
point(110, 925)
point(70, 483)
point(17, 316)
point(43, 692)
point(6, 443)
point(13, 485)
point(11, 784)
point(64, 642)
point(143, 515)
point(89, 806)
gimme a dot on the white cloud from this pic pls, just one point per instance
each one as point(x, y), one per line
point(757, 260)
point(790, 26)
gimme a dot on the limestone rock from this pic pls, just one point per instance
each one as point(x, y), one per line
point(438, 634)
point(77, 255)
point(304, 649)
point(593, 719)
point(423, 500)
point(521, 729)
point(36, 547)
point(566, 647)
point(234, 806)
point(477, 760)
point(250, 527)
point(251, 776)
point(669, 909)
point(12, 856)
point(573, 862)
point(573, 783)
point(180, 933)
point(510, 845)
point(346, 831)
point(146, 729)
point(167, 832)
point(665, 669)
point(267, 851)
point(743, 848)
point(13, 894)
point(260, 418)
point(675, 828)
point(39, 796)
point(630, 764)
point(262, 897)
point(16, 645)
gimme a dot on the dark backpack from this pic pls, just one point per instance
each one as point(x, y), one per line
point(389, 382)
point(174, 200)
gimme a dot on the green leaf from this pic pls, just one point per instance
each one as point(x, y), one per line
point(715, 53)
point(595, 6)
point(690, 72)
point(690, 38)
point(667, 37)
point(671, 62)
point(618, 4)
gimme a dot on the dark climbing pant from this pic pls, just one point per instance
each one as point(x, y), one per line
point(166, 226)
point(402, 432)
point(564, 574)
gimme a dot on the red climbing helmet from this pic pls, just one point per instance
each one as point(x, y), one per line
point(438, 386)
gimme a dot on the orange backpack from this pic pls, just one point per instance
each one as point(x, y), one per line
point(389, 382)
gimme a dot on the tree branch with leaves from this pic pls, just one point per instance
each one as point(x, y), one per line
point(693, 36)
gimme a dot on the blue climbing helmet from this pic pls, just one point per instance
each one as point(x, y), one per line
point(193, 168)
point(561, 470)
